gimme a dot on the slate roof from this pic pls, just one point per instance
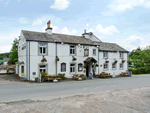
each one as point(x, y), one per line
point(55, 37)
point(105, 46)
point(5, 59)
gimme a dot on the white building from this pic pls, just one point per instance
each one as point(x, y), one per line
point(87, 49)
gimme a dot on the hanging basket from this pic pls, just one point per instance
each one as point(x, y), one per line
point(96, 65)
point(74, 59)
point(115, 61)
point(85, 66)
point(106, 61)
point(57, 59)
point(44, 60)
point(123, 61)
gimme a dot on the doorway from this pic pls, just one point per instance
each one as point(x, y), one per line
point(87, 70)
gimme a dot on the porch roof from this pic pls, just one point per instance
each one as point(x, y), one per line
point(90, 59)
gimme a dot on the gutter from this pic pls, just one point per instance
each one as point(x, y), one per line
point(98, 60)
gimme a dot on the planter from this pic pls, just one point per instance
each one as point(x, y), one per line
point(96, 65)
point(123, 61)
point(85, 66)
point(115, 61)
point(57, 59)
point(74, 59)
point(44, 60)
point(106, 61)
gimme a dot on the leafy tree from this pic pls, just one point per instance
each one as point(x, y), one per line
point(14, 52)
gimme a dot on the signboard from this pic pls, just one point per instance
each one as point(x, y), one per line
point(34, 73)
point(23, 76)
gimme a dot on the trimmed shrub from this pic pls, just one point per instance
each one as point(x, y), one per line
point(61, 75)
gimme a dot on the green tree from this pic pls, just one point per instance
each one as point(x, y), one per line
point(14, 52)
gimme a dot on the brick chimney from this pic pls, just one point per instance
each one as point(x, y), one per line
point(49, 29)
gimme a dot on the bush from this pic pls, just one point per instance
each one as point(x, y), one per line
point(61, 75)
point(43, 74)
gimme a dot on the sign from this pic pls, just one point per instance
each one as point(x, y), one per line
point(23, 76)
point(39, 77)
point(34, 73)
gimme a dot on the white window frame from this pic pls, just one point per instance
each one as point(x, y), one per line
point(42, 68)
point(42, 50)
point(87, 51)
point(74, 70)
point(114, 64)
point(72, 49)
point(80, 67)
point(104, 65)
point(121, 55)
point(94, 52)
point(105, 55)
point(120, 66)
point(62, 67)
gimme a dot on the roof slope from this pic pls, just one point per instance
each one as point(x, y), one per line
point(110, 46)
point(55, 37)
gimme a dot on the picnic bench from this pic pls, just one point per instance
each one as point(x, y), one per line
point(77, 76)
point(124, 74)
point(104, 75)
point(52, 77)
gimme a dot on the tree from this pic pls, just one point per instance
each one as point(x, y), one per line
point(14, 52)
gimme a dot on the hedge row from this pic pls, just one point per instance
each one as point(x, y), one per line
point(140, 70)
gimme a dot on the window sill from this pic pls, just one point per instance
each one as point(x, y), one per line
point(113, 68)
point(121, 68)
point(105, 57)
point(105, 69)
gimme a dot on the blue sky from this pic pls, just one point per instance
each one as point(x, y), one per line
point(125, 22)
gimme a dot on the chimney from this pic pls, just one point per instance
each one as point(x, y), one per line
point(86, 35)
point(49, 29)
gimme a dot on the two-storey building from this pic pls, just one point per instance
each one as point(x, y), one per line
point(67, 54)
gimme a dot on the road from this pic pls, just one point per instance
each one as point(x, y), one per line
point(48, 91)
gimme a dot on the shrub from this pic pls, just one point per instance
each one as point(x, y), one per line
point(44, 60)
point(43, 74)
point(57, 59)
point(61, 75)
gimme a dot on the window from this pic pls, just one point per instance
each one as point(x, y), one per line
point(105, 54)
point(121, 55)
point(22, 69)
point(86, 52)
point(72, 68)
point(72, 50)
point(43, 50)
point(113, 65)
point(121, 65)
point(105, 66)
point(80, 67)
point(94, 52)
point(63, 67)
point(42, 68)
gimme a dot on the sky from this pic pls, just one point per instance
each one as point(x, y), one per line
point(125, 22)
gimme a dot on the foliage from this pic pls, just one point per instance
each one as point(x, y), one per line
point(44, 60)
point(1, 61)
point(139, 60)
point(74, 59)
point(61, 75)
point(4, 55)
point(84, 65)
point(57, 59)
point(43, 74)
point(14, 52)
point(96, 65)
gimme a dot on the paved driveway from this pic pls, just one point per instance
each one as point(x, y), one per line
point(45, 91)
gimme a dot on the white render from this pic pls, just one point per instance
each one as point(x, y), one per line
point(63, 52)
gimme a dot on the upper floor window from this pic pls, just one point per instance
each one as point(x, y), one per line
point(121, 65)
point(86, 52)
point(105, 54)
point(63, 67)
point(42, 48)
point(121, 55)
point(113, 65)
point(80, 67)
point(94, 52)
point(72, 50)
point(106, 66)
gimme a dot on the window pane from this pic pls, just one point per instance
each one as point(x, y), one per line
point(40, 70)
point(70, 69)
point(41, 50)
point(22, 69)
point(73, 51)
point(44, 50)
point(44, 70)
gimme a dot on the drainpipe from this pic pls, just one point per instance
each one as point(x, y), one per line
point(98, 61)
point(55, 57)
point(29, 60)
point(128, 61)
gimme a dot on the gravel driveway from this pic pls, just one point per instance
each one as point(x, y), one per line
point(121, 101)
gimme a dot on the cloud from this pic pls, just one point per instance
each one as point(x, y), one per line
point(60, 4)
point(66, 31)
point(132, 42)
point(4, 2)
point(23, 20)
point(45, 19)
point(122, 5)
point(106, 31)
point(87, 25)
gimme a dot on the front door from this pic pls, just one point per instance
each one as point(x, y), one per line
point(87, 70)
point(72, 69)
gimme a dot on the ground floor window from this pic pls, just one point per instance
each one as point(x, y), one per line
point(80, 67)
point(63, 67)
point(72, 68)
point(113, 65)
point(42, 68)
point(22, 69)
point(121, 65)
point(106, 66)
